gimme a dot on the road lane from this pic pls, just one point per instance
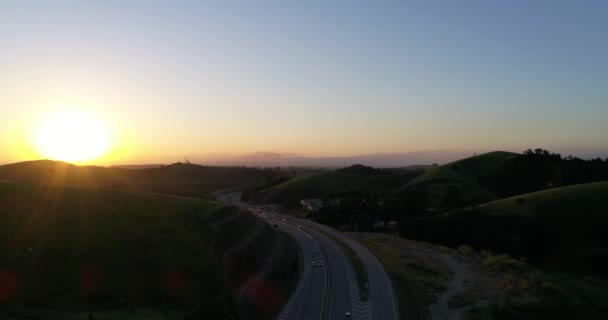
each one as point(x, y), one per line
point(381, 295)
point(307, 301)
point(322, 292)
point(337, 262)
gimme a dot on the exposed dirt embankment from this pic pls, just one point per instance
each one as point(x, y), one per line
point(448, 283)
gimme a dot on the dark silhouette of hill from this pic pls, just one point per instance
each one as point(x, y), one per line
point(325, 184)
point(540, 169)
point(71, 251)
point(363, 170)
point(137, 166)
point(177, 179)
point(561, 229)
point(459, 183)
point(80, 250)
point(500, 174)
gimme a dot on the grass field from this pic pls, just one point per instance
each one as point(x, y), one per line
point(321, 185)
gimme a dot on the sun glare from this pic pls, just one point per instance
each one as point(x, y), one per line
point(72, 136)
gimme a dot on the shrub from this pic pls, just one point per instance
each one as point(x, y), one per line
point(466, 251)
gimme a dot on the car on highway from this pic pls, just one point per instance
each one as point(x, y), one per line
point(321, 264)
point(313, 264)
point(347, 315)
point(300, 227)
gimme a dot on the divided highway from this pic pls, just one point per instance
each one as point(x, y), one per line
point(308, 300)
point(329, 291)
point(383, 304)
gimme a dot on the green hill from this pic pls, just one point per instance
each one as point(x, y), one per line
point(459, 183)
point(321, 185)
point(177, 179)
point(68, 252)
point(563, 228)
point(472, 169)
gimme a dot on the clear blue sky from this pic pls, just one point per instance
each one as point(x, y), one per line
point(310, 77)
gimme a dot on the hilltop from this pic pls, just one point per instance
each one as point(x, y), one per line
point(475, 169)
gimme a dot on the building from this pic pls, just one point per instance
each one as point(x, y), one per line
point(313, 205)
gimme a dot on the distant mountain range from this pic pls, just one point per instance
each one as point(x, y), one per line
point(378, 160)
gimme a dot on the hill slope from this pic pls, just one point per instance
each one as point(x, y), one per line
point(86, 250)
point(472, 169)
point(461, 182)
point(67, 252)
point(176, 179)
point(321, 185)
point(562, 228)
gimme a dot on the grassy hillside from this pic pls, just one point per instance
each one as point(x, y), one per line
point(71, 250)
point(564, 228)
point(471, 169)
point(68, 252)
point(459, 183)
point(321, 185)
point(177, 179)
point(62, 173)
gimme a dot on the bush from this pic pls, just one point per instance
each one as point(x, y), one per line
point(466, 251)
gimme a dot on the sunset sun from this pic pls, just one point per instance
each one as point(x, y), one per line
point(72, 136)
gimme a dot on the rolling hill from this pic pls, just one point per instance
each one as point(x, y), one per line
point(563, 228)
point(459, 183)
point(68, 252)
point(323, 184)
point(177, 179)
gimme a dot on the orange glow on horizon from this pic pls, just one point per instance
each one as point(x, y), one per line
point(72, 135)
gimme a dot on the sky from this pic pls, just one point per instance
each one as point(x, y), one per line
point(312, 78)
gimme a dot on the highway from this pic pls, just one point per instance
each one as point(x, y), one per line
point(309, 298)
point(330, 291)
point(383, 304)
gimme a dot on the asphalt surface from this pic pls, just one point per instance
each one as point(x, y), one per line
point(309, 299)
point(381, 297)
point(330, 291)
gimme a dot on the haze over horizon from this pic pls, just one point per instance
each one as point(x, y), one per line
point(305, 79)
